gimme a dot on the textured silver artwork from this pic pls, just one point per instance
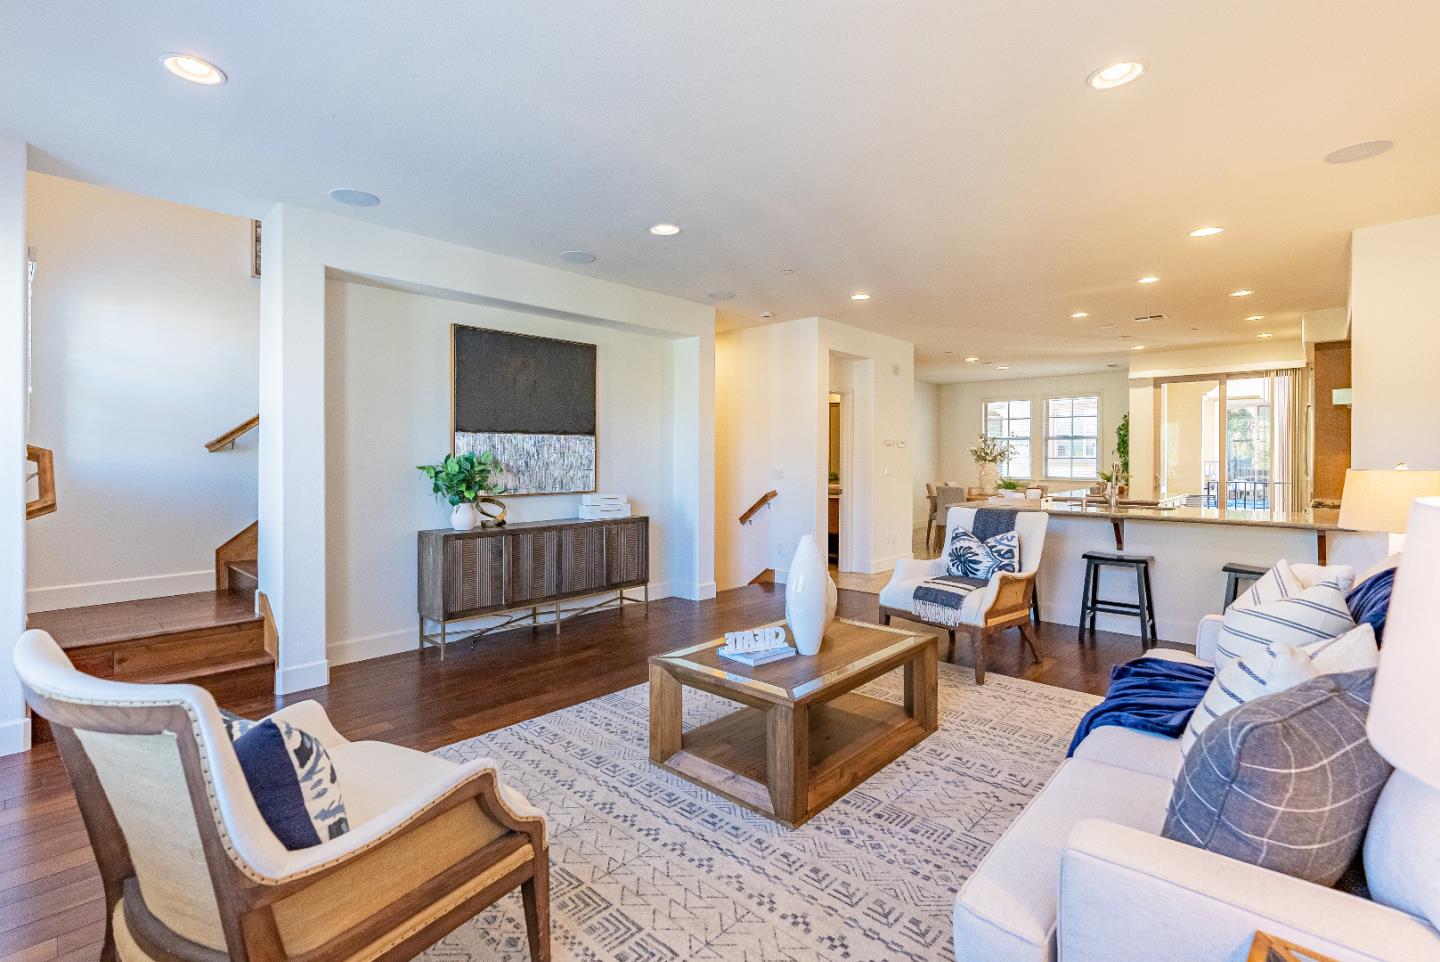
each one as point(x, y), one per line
point(537, 463)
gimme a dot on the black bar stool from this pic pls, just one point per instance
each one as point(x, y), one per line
point(1092, 604)
point(1235, 573)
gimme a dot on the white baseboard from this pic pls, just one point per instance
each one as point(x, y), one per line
point(314, 674)
point(691, 592)
point(1169, 629)
point(877, 565)
point(405, 639)
point(120, 589)
point(15, 736)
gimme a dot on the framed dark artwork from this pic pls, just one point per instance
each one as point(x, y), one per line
point(529, 400)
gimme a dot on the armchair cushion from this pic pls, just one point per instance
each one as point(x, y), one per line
point(293, 780)
point(969, 557)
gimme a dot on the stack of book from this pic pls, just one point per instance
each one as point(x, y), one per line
point(762, 657)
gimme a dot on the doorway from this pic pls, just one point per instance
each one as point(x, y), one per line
point(834, 489)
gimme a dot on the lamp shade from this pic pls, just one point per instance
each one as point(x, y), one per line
point(1380, 500)
point(1405, 710)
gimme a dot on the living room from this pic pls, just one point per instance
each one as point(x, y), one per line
point(429, 474)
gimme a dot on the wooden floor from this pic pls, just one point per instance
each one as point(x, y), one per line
point(50, 899)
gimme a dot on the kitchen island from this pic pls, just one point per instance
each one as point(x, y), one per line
point(1189, 547)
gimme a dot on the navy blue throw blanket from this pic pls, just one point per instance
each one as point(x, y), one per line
point(1149, 695)
point(992, 521)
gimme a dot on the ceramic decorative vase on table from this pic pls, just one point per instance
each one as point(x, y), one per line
point(464, 517)
point(989, 478)
point(809, 596)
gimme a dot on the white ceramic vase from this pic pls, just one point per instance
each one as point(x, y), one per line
point(464, 517)
point(809, 596)
point(989, 478)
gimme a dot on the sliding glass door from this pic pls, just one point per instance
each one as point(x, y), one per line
point(1232, 440)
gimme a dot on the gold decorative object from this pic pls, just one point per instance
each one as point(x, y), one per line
point(489, 519)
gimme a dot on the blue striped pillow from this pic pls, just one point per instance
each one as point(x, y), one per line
point(1316, 614)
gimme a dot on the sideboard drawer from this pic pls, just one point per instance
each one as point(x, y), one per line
point(475, 572)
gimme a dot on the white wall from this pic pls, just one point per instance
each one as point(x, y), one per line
point(773, 433)
point(962, 417)
point(14, 726)
point(303, 248)
point(388, 409)
point(1394, 343)
point(146, 322)
point(925, 447)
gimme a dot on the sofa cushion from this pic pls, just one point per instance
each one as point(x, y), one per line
point(1286, 782)
point(1402, 848)
point(1135, 751)
point(1006, 910)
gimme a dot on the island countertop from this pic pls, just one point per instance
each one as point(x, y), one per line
point(1318, 519)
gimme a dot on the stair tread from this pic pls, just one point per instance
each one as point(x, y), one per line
point(198, 669)
point(147, 618)
point(251, 568)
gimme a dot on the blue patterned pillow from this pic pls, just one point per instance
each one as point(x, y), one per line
point(969, 557)
point(292, 779)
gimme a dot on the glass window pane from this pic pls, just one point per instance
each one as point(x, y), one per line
point(1087, 405)
point(1086, 427)
point(1019, 409)
point(1060, 407)
point(1020, 429)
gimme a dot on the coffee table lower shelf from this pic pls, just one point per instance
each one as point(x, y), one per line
point(847, 739)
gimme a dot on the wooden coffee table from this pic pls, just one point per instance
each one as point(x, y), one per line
point(804, 737)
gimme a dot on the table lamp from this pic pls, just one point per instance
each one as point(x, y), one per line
point(1380, 500)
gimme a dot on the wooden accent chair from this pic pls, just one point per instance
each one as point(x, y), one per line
point(1003, 603)
point(941, 496)
point(192, 873)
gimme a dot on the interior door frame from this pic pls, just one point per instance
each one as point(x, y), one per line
point(1222, 469)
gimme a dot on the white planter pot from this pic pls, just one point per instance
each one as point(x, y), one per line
point(989, 478)
point(464, 517)
point(809, 596)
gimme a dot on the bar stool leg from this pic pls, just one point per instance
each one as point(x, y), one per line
point(1142, 599)
point(1150, 608)
point(1085, 602)
point(1094, 598)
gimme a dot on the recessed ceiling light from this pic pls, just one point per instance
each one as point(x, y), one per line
point(766, 314)
point(1116, 75)
point(971, 360)
point(1242, 292)
point(859, 296)
point(665, 230)
point(1207, 231)
point(1348, 155)
point(787, 270)
point(189, 67)
point(1107, 327)
point(1002, 367)
point(1264, 334)
point(1148, 279)
point(577, 257)
point(1256, 317)
point(1112, 365)
point(354, 198)
point(1138, 347)
point(720, 295)
point(1126, 337)
point(1079, 314)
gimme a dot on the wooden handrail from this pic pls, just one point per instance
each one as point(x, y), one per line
point(231, 436)
point(44, 460)
point(754, 509)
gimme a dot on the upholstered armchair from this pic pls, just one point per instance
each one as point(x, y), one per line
point(192, 872)
point(1005, 602)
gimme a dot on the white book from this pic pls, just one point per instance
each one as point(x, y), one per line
point(756, 658)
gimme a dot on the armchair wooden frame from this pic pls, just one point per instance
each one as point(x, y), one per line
point(247, 903)
point(1010, 608)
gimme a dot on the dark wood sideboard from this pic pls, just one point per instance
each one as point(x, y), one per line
point(517, 570)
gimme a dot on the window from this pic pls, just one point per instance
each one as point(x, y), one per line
point(1010, 421)
point(1072, 437)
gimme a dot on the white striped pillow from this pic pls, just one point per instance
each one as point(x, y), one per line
point(1279, 582)
point(1314, 615)
point(1278, 668)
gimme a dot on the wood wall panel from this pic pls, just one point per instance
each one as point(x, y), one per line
point(1332, 423)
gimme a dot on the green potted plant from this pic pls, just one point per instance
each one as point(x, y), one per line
point(988, 452)
point(462, 480)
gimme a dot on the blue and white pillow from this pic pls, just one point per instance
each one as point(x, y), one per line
point(292, 779)
point(1309, 617)
point(969, 557)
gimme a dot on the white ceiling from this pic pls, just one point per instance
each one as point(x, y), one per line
point(946, 157)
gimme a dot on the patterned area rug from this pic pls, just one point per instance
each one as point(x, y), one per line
point(646, 866)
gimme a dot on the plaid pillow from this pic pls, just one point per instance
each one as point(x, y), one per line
point(1286, 782)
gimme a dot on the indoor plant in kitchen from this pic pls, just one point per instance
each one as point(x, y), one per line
point(463, 479)
point(988, 452)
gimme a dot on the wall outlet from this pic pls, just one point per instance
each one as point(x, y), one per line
point(890, 538)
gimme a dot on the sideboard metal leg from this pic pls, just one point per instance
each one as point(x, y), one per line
point(444, 628)
point(420, 639)
point(647, 599)
point(557, 617)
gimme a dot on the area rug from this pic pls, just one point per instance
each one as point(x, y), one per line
point(646, 866)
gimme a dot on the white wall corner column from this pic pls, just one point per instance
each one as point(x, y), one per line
point(693, 469)
point(14, 725)
point(292, 452)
